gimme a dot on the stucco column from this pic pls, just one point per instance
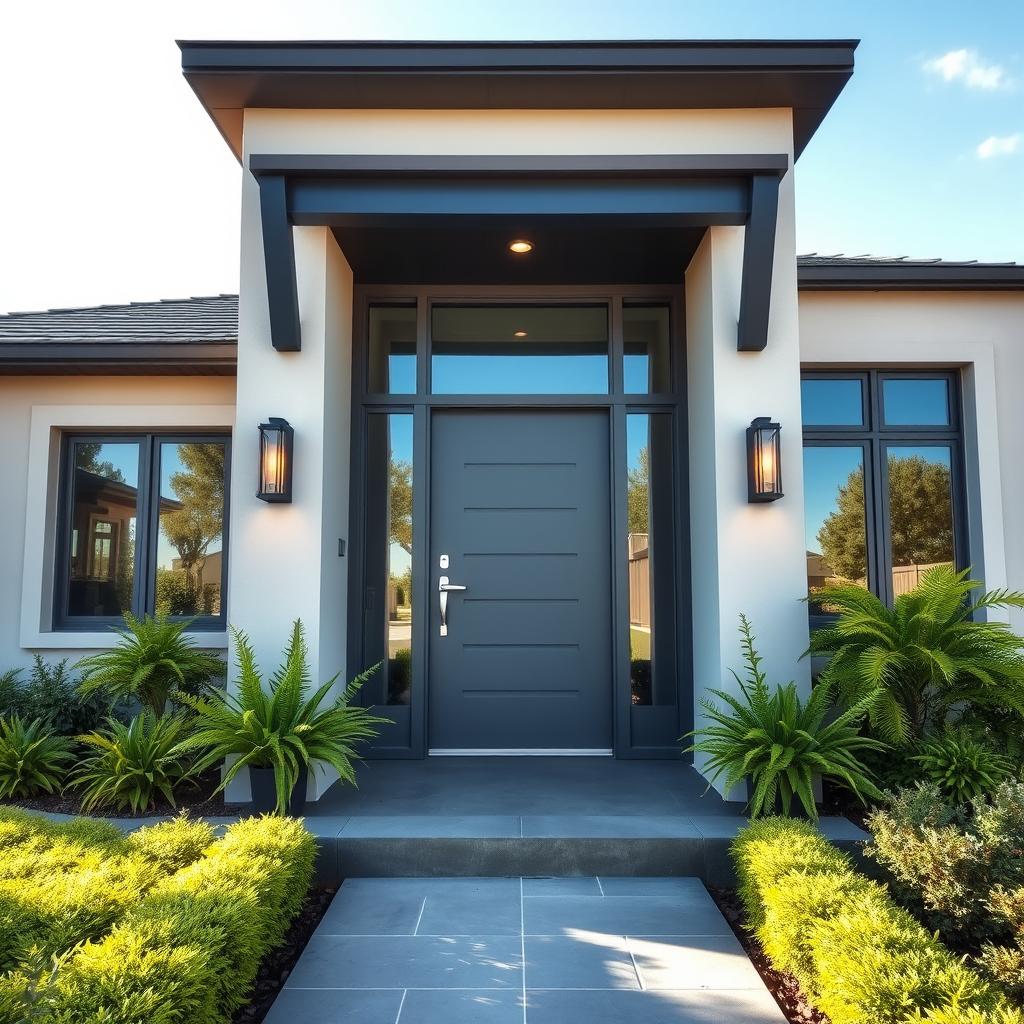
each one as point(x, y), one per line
point(745, 558)
point(285, 560)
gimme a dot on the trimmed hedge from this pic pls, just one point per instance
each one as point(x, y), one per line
point(61, 883)
point(859, 957)
point(191, 950)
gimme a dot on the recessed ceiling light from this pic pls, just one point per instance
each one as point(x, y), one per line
point(520, 245)
point(519, 334)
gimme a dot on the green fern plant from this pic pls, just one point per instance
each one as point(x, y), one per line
point(283, 727)
point(767, 734)
point(961, 766)
point(133, 764)
point(32, 758)
point(152, 659)
point(932, 651)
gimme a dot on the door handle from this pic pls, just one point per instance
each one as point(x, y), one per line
point(443, 589)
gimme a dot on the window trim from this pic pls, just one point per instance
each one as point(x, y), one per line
point(877, 438)
point(147, 534)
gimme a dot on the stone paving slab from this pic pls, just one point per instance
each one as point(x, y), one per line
point(591, 950)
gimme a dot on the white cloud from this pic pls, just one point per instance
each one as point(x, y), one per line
point(999, 145)
point(968, 67)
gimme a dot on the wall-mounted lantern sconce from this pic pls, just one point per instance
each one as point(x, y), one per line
point(764, 460)
point(275, 460)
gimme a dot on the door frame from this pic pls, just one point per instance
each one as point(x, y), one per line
point(638, 731)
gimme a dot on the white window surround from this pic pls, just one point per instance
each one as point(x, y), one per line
point(976, 362)
point(48, 424)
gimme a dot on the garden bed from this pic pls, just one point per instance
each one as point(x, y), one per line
point(278, 963)
point(200, 800)
point(785, 989)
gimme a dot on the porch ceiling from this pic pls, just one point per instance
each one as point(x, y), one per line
point(620, 253)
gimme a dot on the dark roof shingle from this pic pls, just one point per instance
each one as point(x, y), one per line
point(209, 319)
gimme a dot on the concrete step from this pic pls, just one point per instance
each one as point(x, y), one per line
point(557, 846)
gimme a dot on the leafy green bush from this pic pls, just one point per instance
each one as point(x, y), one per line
point(942, 861)
point(51, 693)
point(153, 658)
point(191, 949)
point(284, 729)
point(932, 651)
point(134, 763)
point(961, 766)
point(779, 742)
point(32, 759)
point(860, 958)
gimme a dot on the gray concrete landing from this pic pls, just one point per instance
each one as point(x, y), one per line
point(588, 950)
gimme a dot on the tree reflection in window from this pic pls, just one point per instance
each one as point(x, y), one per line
point(189, 561)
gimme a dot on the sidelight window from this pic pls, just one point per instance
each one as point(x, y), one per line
point(650, 546)
point(389, 554)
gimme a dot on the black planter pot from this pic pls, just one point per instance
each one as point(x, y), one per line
point(796, 808)
point(264, 792)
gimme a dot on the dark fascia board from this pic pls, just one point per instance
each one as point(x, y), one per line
point(597, 166)
point(187, 359)
point(806, 75)
point(911, 277)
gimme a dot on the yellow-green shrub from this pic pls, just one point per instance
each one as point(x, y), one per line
point(172, 844)
point(860, 958)
point(190, 951)
point(63, 882)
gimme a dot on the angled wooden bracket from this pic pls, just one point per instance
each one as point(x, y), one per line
point(279, 256)
point(758, 261)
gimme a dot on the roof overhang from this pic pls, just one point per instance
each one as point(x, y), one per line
point(91, 358)
point(804, 75)
point(908, 276)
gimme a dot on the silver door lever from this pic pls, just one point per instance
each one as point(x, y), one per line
point(443, 588)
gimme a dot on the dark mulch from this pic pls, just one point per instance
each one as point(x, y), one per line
point(278, 965)
point(783, 987)
point(196, 801)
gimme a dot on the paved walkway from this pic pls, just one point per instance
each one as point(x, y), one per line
point(524, 951)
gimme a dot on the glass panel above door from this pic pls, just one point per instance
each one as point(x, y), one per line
point(519, 350)
point(645, 338)
point(391, 358)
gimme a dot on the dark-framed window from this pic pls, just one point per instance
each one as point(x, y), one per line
point(883, 478)
point(143, 528)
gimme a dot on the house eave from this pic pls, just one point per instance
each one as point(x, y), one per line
point(979, 278)
point(804, 75)
point(117, 359)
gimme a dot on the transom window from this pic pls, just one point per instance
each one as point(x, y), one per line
point(882, 478)
point(143, 519)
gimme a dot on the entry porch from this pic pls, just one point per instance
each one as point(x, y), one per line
point(532, 817)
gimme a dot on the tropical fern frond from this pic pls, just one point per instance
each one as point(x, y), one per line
point(284, 726)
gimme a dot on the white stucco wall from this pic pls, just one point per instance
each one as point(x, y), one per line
point(746, 559)
point(982, 334)
point(33, 411)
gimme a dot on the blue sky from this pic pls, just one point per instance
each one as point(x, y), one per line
point(127, 191)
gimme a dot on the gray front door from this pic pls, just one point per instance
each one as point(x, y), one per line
point(520, 504)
